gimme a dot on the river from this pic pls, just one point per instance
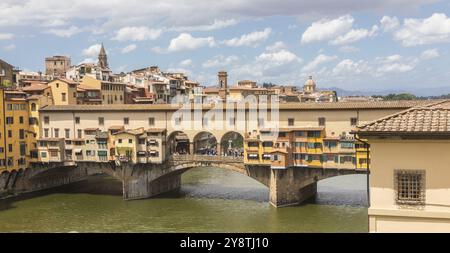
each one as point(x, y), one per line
point(210, 200)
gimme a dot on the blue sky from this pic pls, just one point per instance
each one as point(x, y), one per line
point(350, 44)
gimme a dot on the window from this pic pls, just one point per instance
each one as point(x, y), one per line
point(33, 107)
point(321, 121)
point(314, 134)
point(10, 148)
point(9, 120)
point(44, 154)
point(21, 134)
point(141, 141)
point(151, 121)
point(349, 145)
point(46, 120)
point(290, 122)
point(353, 121)
point(120, 140)
point(63, 97)
point(410, 186)
point(9, 133)
point(67, 133)
point(101, 121)
point(253, 144)
point(267, 144)
point(126, 121)
point(46, 132)
point(56, 132)
point(79, 133)
point(77, 120)
point(130, 141)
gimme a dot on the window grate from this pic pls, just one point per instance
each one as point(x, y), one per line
point(410, 187)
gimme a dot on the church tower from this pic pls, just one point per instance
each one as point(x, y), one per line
point(103, 58)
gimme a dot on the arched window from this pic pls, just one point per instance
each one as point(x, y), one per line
point(33, 107)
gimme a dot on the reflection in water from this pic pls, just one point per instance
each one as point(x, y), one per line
point(210, 200)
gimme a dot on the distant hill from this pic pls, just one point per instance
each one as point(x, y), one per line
point(422, 92)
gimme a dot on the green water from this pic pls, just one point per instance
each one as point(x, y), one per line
point(210, 200)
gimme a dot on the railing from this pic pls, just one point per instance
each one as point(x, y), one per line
point(208, 158)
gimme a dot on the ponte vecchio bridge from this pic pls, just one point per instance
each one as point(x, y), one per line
point(137, 145)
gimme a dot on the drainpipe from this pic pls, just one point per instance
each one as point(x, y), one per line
point(368, 167)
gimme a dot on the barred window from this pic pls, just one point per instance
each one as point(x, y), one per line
point(410, 187)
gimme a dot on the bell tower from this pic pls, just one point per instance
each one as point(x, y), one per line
point(103, 58)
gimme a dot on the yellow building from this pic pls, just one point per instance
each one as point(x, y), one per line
point(110, 92)
point(409, 170)
point(64, 91)
point(14, 130)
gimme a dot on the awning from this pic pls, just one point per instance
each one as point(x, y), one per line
point(253, 155)
point(267, 156)
point(142, 153)
point(77, 150)
point(153, 152)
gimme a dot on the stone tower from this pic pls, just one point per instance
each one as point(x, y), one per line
point(223, 76)
point(103, 58)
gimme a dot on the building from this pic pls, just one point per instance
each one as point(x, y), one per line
point(14, 125)
point(110, 92)
point(26, 78)
point(99, 71)
point(64, 91)
point(6, 73)
point(409, 172)
point(57, 66)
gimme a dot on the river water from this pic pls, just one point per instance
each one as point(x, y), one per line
point(210, 200)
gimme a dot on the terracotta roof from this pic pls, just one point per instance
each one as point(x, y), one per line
point(156, 130)
point(283, 106)
point(430, 120)
point(35, 87)
point(116, 128)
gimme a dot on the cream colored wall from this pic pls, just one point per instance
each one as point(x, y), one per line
point(429, 155)
point(337, 121)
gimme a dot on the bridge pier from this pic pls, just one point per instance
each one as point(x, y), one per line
point(291, 186)
point(143, 187)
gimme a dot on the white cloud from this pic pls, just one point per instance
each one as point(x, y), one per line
point(354, 35)
point(389, 23)
point(137, 33)
point(251, 39)
point(430, 54)
point(435, 29)
point(316, 62)
point(185, 63)
point(349, 67)
point(185, 41)
point(9, 47)
point(277, 58)
point(6, 36)
point(88, 60)
point(389, 59)
point(112, 15)
point(395, 68)
point(327, 29)
point(65, 32)
point(276, 46)
point(129, 48)
point(92, 51)
point(216, 25)
point(220, 61)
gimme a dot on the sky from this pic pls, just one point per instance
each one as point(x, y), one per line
point(365, 45)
